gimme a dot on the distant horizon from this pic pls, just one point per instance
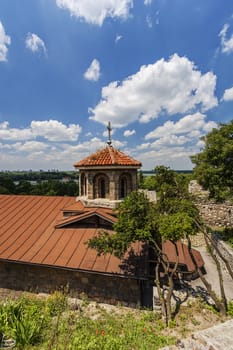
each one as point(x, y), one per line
point(75, 171)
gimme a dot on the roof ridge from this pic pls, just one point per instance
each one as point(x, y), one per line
point(110, 149)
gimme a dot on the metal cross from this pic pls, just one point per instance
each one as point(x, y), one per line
point(109, 142)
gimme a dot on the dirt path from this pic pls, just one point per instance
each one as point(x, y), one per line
point(212, 276)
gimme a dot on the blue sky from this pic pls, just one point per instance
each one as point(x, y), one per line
point(159, 70)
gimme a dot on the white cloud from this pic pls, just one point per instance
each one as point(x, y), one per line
point(228, 94)
point(149, 21)
point(209, 126)
point(147, 2)
point(118, 37)
point(170, 140)
point(173, 86)
point(95, 12)
point(34, 43)
point(13, 134)
point(174, 142)
point(157, 17)
point(4, 41)
point(143, 146)
point(175, 157)
point(93, 72)
point(129, 132)
point(226, 43)
point(30, 146)
point(88, 134)
point(187, 124)
point(51, 130)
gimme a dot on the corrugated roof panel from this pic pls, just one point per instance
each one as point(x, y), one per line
point(28, 234)
point(36, 230)
point(73, 245)
point(54, 249)
point(79, 255)
point(18, 209)
point(102, 262)
point(19, 226)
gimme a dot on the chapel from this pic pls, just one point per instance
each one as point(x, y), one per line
point(43, 239)
point(107, 176)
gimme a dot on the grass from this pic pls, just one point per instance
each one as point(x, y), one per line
point(226, 234)
point(49, 324)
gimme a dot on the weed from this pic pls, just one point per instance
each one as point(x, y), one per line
point(56, 303)
point(230, 309)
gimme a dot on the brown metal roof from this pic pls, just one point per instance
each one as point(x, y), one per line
point(184, 257)
point(28, 234)
point(108, 156)
point(86, 214)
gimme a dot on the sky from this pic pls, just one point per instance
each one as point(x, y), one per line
point(161, 71)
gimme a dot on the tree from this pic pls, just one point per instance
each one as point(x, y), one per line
point(136, 221)
point(7, 185)
point(141, 220)
point(214, 164)
point(24, 187)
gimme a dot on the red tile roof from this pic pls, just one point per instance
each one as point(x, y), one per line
point(108, 156)
point(28, 234)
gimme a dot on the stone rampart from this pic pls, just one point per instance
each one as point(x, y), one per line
point(216, 214)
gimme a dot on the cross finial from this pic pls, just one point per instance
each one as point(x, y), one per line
point(109, 142)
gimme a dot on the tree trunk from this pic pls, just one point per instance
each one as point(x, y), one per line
point(222, 291)
point(214, 244)
point(159, 290)
point(208, 286)
point(165, 298)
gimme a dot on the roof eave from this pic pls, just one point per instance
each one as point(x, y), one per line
point(106, 167)
point(67, 268)
point(78, 219)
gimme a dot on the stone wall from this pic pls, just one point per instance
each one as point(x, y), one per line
point(214, 214)
point(102, 288)
point(218, 215)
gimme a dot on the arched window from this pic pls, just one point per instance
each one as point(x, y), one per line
point(125, 185)
point(123, 188)
point(83, 185)
point(101, 186)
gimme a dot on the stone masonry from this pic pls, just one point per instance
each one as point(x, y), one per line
point(218, 337)
point(98, 287)
point(214, 214)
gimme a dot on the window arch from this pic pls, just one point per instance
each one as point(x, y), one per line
point(101, 186)
point(83, 185)
point(125, 185)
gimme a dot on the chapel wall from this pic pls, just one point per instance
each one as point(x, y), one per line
point(98, 287)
